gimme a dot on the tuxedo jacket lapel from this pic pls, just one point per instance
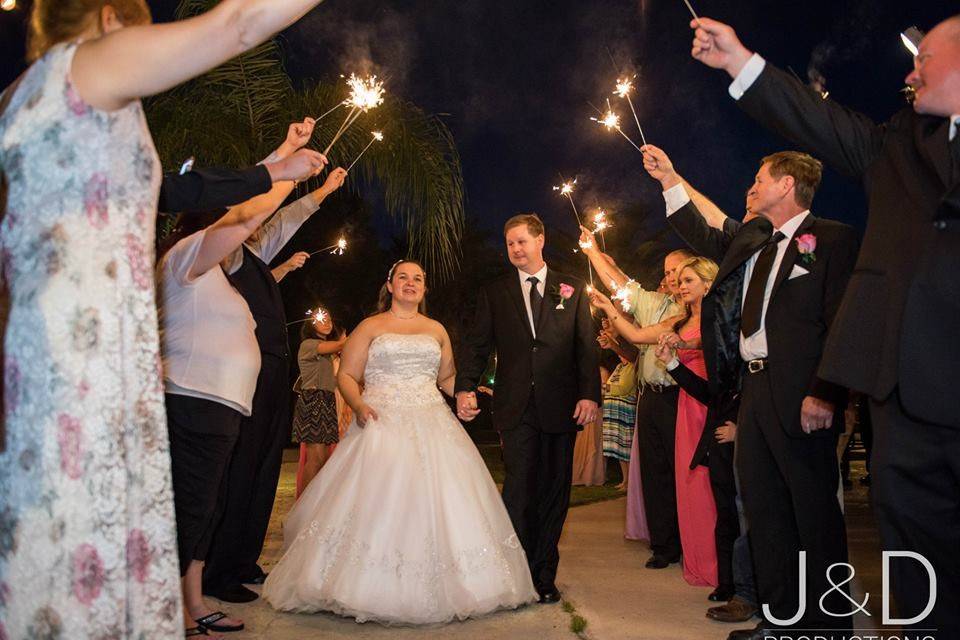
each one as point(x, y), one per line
point(515, 293)
point(790, 255)
point(549, 306)
point(751, 237)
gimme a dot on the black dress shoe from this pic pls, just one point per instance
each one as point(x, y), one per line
point(236, 593)
point(657, 561)
point(260, 579)
point(550, 595)
point(721, 594)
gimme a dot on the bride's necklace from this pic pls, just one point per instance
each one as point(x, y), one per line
point(402, 317)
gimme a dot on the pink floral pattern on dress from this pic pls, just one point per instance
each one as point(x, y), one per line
point(138, 555)
point(95, 201)
point(70, 439)
point(87, 574)
point(88, 545)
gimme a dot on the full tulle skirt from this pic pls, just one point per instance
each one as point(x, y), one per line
point(403, 525)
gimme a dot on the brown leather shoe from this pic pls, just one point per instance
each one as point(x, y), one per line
point(737, 610)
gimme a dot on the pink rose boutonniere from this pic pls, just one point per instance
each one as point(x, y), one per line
point(807, 245)
point(563, 293)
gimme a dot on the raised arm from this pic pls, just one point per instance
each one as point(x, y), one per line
point(226, 235)
point(846, 140)
point(637, 335)
point(139, 61)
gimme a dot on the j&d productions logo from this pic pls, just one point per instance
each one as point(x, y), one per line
point(858, 607)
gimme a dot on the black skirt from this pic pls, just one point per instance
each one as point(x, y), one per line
point(315, 417)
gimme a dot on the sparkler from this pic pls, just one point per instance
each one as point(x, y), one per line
point(611, 120)
point(692, 12)
point(377, 137)
point(566, 189)
point(622, 294)
point(318, 315)
point(334, 249)
point(365, 94)
point(601, 224)
point(624, 87)
point(8, 5)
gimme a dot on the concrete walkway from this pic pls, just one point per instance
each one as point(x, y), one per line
point(601, 574)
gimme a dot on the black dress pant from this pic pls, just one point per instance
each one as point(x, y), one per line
point(203, 435)
point(657, 430)
point(536, 491)
point(724, 486)
point(252, 480)
point(916, 498)
point(789, 490)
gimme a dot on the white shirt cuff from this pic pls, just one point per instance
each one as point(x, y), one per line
point(676, 198)
point(673, 364)
point(747, 76)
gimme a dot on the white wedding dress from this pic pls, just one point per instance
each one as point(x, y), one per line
point(404, 524)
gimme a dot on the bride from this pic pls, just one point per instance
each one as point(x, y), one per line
point(404, 523)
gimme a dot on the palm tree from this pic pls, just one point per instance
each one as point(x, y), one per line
point(235, 114)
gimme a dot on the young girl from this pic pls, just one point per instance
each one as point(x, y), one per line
point(315, 415)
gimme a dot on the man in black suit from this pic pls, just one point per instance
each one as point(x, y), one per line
point(548, 386)
point(766, 318)
point(896, 334)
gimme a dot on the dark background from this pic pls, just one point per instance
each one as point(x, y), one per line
point(514, 80)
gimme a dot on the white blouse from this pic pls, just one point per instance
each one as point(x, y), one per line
point(207, 338)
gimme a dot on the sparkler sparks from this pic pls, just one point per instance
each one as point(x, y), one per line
point(622, 294)
point(365, 94)
point(566, 189)
point(623, 89)
point(611, 120)
point(318, 315)
point(334, 249)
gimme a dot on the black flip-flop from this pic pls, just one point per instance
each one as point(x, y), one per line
point(209, 622)
point(194, 631)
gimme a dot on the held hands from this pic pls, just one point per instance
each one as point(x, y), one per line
point(665, 353)
point(586, 412)
point(467, 405)
point(815, 414)
point(716, 45)
point(365, 414)
point(672, 340)
point(609, 328)
point(658, 165)
point(727, 432)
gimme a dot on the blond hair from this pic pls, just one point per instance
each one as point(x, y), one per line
point(706, 269)
point(56, 21)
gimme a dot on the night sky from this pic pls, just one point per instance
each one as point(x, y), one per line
point(515, 78)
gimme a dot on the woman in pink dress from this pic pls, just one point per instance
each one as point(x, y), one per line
point(696, 510)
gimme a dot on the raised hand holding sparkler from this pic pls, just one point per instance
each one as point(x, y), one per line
point(377, 137)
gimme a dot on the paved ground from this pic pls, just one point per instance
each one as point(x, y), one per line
point(600, 573)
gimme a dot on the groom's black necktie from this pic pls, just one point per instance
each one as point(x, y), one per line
point(753, 302)
point(536, 301)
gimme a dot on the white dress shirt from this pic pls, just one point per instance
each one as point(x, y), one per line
point(270, 238)
point(755, 346)
point(541, 276)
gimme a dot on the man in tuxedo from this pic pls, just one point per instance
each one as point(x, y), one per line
point(764, 324)
point(895, 336)
point(548, 386)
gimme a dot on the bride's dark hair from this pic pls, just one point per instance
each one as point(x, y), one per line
point(386, 298)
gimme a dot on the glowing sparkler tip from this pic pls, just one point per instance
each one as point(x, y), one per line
point(586, 244)
point(377, 135)
point(365, 93)
point(319, 315)
point(624, 87)
point(566, 188)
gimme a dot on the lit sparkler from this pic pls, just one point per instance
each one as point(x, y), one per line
point(621, 294)
point(334, 249)
point(601, 224)
point(566, 189)
point(624, 87)
point(377, 137)
point(8, 5)
point(318, 315)
point(611, 120)
point(365, 94)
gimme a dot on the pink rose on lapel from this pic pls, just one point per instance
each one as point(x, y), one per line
point(565, 292)
point(807, 245)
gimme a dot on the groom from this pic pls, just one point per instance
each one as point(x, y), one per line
point(548, 386)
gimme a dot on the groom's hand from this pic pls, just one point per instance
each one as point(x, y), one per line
point(586, 412)
point(467, 405)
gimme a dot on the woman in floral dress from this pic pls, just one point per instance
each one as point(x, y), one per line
point(87, 541)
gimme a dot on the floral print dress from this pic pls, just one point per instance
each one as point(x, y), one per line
point(87, 537)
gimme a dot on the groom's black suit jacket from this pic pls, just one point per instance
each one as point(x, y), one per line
point(799, 314)
point(897, 326)
point(557, 368)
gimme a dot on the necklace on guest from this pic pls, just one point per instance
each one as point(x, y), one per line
point(397, 315)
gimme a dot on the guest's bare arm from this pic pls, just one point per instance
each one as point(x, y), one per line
point(139, 61)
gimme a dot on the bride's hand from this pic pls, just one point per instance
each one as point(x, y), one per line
point(366, 413)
